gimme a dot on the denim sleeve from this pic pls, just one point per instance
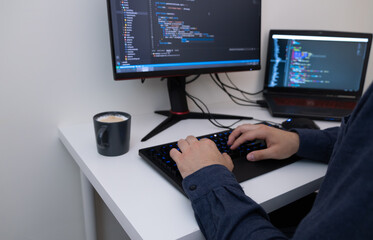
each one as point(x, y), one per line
point(222, 209)
point(317, 144)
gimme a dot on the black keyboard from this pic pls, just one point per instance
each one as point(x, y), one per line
point(159, 158)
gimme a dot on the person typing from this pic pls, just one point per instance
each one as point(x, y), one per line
point(343, 208)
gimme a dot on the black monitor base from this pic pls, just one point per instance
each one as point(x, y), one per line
point(173, 118)
point(179, 108)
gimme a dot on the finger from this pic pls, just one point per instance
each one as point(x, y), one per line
point(239, 131)
point(260, 155)
point(256, 133)
point(247, 136)
point(191, 139)
point(204, 139)
point(227, 157)
point(235, 134)
point(229, 161)
point(175, 155)
point(208, 141)
point(183, 144)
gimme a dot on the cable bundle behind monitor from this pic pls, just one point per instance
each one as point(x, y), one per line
point(244, 101)
point(238, 100)
point(213, 121)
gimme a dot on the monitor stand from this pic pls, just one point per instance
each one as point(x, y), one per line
point(179, 108)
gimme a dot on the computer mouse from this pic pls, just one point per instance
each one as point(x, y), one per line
point(299, 123)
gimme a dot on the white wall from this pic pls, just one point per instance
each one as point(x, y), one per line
point(55, 69)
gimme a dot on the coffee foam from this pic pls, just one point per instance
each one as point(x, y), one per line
point(112, 118)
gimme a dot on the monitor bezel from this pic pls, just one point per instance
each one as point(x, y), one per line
point(317, 91)
point(182, 72)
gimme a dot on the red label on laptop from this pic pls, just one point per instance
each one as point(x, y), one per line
point(314, 103)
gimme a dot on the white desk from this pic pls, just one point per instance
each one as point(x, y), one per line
point(146, 205)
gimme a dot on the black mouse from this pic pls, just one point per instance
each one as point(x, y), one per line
point(299, 123)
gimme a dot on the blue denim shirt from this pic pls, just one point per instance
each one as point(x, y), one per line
point(342, 210)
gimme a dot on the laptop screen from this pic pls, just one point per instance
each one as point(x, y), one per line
point(317, 60)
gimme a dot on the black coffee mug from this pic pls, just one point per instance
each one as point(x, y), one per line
point(112, 130)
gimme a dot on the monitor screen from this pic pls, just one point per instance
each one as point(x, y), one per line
point(183, 37)
point(318, 60)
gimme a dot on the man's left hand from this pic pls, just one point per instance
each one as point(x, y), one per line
point(194, 155)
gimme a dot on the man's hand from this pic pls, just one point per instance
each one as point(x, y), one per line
point(280, 144)
point(196, 154)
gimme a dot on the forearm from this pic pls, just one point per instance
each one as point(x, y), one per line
point(222, 209)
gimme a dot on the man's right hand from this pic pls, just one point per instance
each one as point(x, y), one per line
point(280, 144)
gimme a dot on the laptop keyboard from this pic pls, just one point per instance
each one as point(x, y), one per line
point(159, 158)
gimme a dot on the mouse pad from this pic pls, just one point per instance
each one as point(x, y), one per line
point(245, 170)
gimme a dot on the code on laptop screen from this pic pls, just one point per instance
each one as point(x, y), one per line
point(317, 62)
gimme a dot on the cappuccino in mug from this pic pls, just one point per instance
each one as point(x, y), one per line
point(111, 118)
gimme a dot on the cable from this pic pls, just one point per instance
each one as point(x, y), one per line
point(192, 80)
point(224, 87)
point(270, 122)
point(220, 125)
point(234, 98)
point(212, 120)
point(243, 92)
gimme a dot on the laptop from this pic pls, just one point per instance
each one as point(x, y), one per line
point(315, 74)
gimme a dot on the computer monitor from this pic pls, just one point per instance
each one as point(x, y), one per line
point(178, 38)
